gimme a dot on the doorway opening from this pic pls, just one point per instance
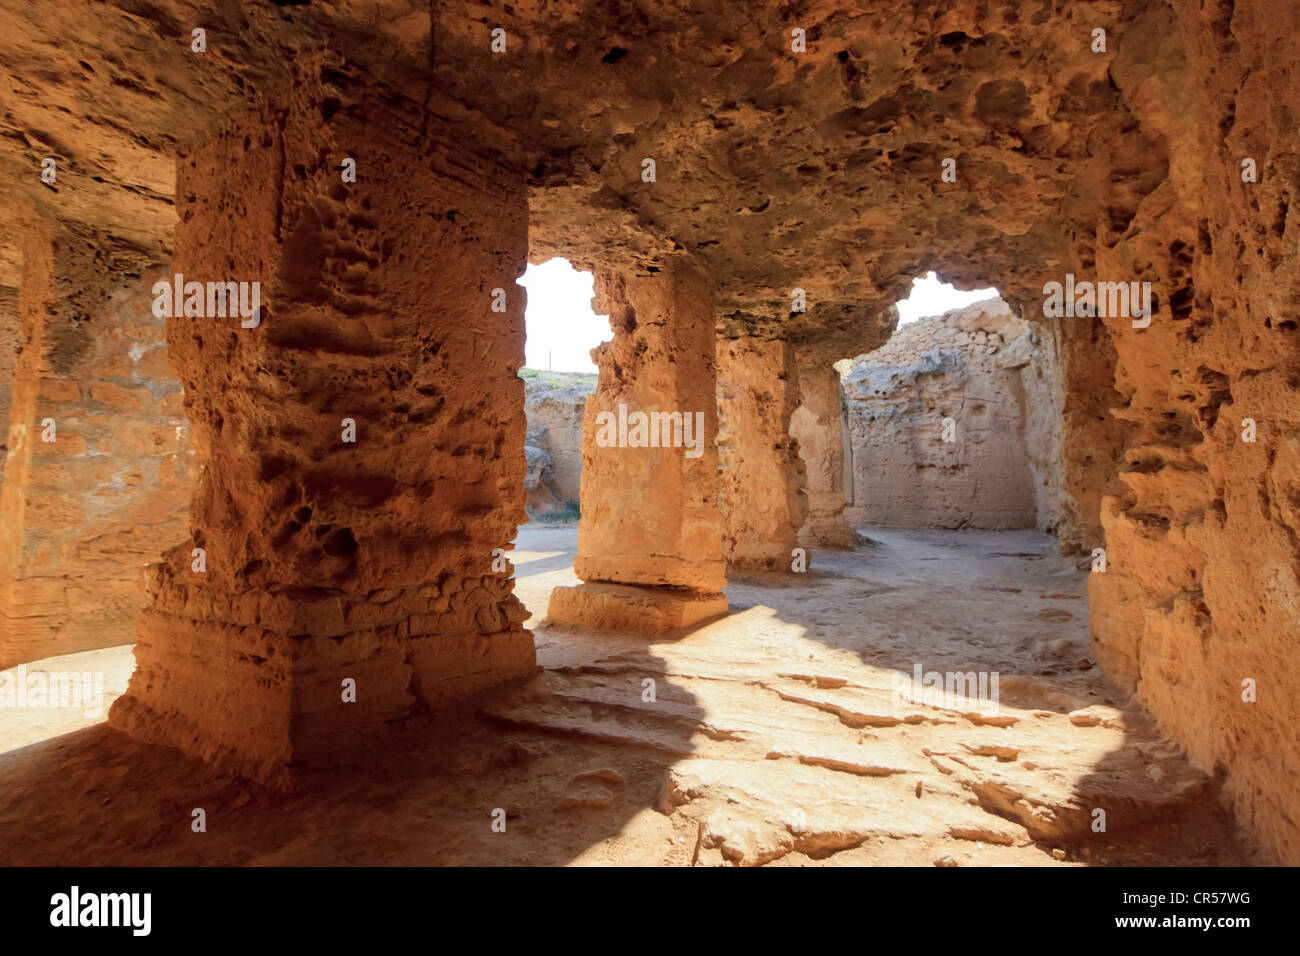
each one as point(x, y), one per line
point(558, 374)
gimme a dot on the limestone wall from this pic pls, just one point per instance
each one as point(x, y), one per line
point(554, 406)
point(820, 426)
point(966, 368)
point(821, 171)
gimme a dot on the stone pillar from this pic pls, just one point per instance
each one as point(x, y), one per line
point(346, 582)
point(820, 427)
point(650, 537)
point(762, 476)
point(97, 469)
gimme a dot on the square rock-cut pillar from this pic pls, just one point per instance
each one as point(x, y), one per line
point(762, 476)
point(650, 536)
point(821, 429)
point(345, 582)
point(97, 473)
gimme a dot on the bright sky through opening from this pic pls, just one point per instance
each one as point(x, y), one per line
point(932, 297)
point(562, 329)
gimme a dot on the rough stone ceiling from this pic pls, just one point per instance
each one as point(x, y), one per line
point(777, 169)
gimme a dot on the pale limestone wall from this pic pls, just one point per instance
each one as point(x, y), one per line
point(820, 426)
point(968, 366)
point(555, 412)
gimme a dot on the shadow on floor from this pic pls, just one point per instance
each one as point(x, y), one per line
point(775, 735)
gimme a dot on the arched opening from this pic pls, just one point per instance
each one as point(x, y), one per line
point(559, 376)
point(955, 441)
point(942, 419)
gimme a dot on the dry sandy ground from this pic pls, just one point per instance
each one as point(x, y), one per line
point(779, 735)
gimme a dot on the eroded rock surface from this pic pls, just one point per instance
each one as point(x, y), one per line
point(650, 437)
point(762, 475)
point(820, 426)
point(363, 455)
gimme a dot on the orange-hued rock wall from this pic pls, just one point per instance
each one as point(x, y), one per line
point(1199, 608)
point(9, 347)
point(329, 560)
point(1080, 438)
point(81, 516)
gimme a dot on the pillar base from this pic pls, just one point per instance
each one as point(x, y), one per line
point(834, 533)
point(265, 701)
point(626, 607)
